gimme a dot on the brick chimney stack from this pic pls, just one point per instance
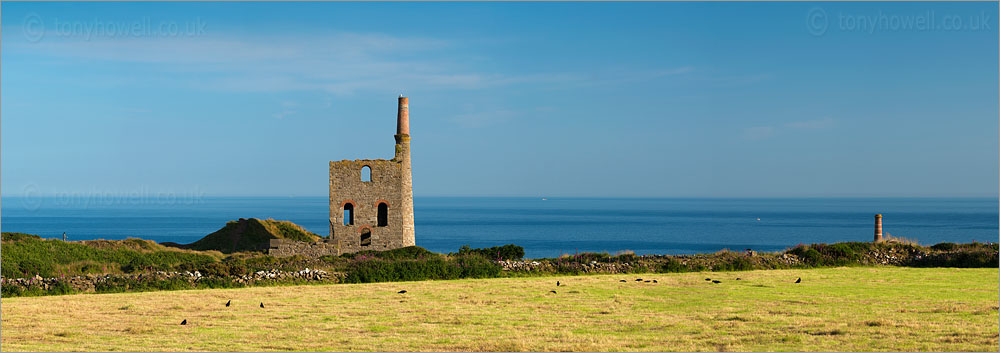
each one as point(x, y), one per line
point(878, 228)
point(403, 117)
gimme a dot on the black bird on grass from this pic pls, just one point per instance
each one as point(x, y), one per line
point(646, 281)
point(737, 278)
point(552, 291)
point(799, 280)
point(261, 305)
point(229, 302)
point(654, 281)
point(708, 279)
point(638, 279)
point(557, 283)
point(401, 292)
point(716, 281)
point(621, 280)
point(185, 322)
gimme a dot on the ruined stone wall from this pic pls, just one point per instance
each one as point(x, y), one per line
point(391, 184)
point(288, 247)
point(346, 187)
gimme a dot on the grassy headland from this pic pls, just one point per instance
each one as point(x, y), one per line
point(833, 309)
point(32, 266)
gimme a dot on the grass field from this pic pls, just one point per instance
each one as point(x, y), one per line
point(833, 309)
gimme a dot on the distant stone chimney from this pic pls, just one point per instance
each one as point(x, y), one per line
point(403, 117)
point(878, 228)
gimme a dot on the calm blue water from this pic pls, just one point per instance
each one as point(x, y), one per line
point(545, 228)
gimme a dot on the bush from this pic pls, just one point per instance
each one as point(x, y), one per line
point(734, 263)
point(671, 265)
point(964, 259)
point(625, 257)
point(382, 270)
point(945, 246)
point(475, 266)
point(807, 254)
point(407, 253)
point(506, 252)
point(17, 236)
point(10, 290)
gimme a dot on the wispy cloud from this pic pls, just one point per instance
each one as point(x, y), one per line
point(338, 63)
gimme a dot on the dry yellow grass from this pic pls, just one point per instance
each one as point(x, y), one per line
point(837, 309)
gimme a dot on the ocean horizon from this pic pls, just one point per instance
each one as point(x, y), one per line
point(546, 227)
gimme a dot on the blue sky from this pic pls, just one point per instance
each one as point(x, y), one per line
point(507, 99)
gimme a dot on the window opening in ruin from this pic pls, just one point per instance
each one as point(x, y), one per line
point(383, 215)
point(366, 237)
point(348, 214)
point(366, 174)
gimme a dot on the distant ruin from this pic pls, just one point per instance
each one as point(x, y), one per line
point(371, 200)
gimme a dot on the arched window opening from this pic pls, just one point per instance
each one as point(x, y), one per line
point(383, 215)
point(348, 214)
point(366, 237)
point(366, 174)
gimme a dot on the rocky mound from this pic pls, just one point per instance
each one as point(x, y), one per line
point(249, 235)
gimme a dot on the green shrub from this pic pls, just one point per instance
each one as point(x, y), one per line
point(475, 266)
point(671, 265)
point(10, 290)
point(962, 259)
point(626, 257)
point(384, 270)
point(17, 236)
point(59, 288)
point(807, 254)
point(734, 263)
point(587, 257)
point(407, 253)
point(506, 252)
point(945, 246)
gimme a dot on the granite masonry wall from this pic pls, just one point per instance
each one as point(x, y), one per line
point(390, 185)
point(288, 247)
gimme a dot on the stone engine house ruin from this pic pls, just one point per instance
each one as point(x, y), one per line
point(371, 200)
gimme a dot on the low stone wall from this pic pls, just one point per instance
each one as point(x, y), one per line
point(545, 266)
point(89, 283)
point(286, 247)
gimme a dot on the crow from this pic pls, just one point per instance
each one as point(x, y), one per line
point(229, 302)
point(799, 280)
point(401, 292)
point(185, 322)
point(557, 283)
point(552, 291)
point(638, 279)
point(261, 305)
point(737, 278)
point(654, 281)
point(621, 280)
point(646, 281)
point(716, 282)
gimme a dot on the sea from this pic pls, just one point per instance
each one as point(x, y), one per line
point(545, 227)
